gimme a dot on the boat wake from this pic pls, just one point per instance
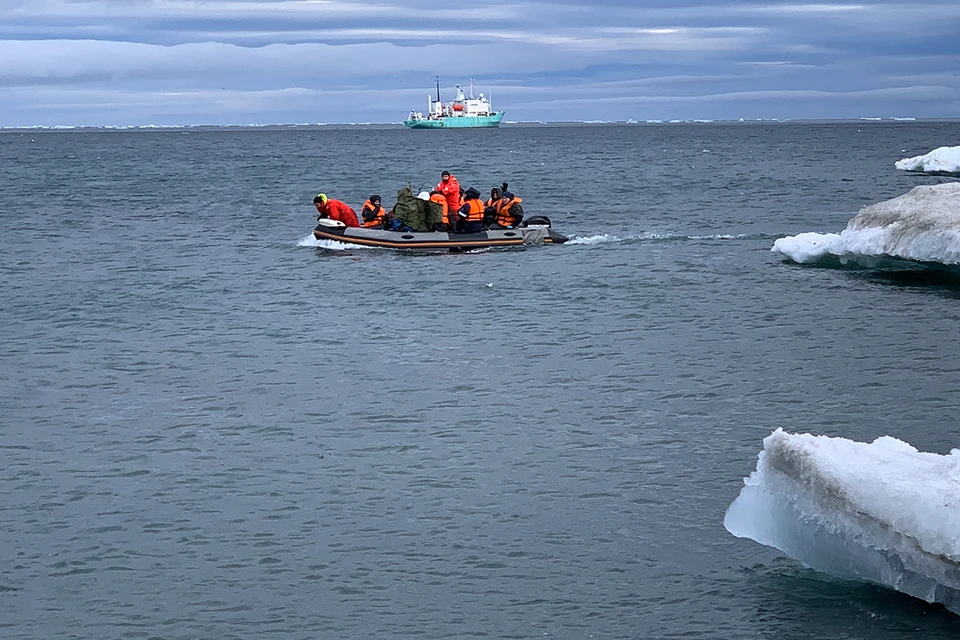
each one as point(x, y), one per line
point(883, 512)
point(330, 245)
point(605, 238)
point(918, 229)
point(602, 238)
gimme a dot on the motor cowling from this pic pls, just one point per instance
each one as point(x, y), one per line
point(536, 221)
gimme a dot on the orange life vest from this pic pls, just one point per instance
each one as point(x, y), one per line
point(504, 217)
point(475, 210)
point(378, 219)
point(442, 201)
point(491, 202)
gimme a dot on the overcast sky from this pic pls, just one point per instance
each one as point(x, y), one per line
point(128, 62)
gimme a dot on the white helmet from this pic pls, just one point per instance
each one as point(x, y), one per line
point(424, 195)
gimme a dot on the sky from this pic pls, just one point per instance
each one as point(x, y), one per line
point(190, 62)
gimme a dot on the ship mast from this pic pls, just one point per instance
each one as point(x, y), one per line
point(438, 88)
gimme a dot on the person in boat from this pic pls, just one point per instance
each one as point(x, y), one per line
point(509, 213)
point(490, 206)
point(335, 210)
point(494, 197)
point(440, 199)
point(470, 215)
point(373, 214)
point(450, 188)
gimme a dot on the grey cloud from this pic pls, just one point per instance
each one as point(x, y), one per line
point(42, 60)
point(610, 59)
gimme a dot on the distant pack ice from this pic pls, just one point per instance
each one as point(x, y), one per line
point(940, 161)
point(921, 226)
point(881, 512)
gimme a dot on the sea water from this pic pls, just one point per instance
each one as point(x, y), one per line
point(210, 428)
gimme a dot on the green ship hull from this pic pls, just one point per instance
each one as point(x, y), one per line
point(457, 122)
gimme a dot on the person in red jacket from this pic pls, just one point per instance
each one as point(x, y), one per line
point(335, 210)
point(450, 188)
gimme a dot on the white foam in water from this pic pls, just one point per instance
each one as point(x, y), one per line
point(606, 237)
point(882, 512)
point(721, 236)
point(597, 239)
point(923, 225)
point(332, 245)
point(941, 160)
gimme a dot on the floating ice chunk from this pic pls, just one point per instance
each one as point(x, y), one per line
point(942, 160)
point(806, 247)
point(922, 225)
point(881, 512)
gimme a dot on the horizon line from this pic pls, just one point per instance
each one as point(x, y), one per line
point(629, 121)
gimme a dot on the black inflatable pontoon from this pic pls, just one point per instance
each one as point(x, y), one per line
point(536, 231)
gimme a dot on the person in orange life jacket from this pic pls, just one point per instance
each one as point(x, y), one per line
point(494, 197)
point(470, 215)
point(438, 197)
point(450, 189)
point(373, 214)
point(495, 194)
point(490, 206)
point(335, 210)
point(509, 212)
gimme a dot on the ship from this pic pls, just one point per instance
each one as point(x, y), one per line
point(461, 113)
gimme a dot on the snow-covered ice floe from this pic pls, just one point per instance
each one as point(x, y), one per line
point(881, 512)
point(921, 226)
point(940, 161)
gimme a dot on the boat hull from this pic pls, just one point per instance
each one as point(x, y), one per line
point(440, 240)
point(457, 122)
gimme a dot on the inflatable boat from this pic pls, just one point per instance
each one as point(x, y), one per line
point(536, 231)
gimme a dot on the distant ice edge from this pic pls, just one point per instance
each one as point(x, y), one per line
point(881, 512)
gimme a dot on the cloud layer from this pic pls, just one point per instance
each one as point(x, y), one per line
point(116, 62)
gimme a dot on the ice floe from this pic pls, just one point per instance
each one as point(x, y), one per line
point(881, 512)
point(921, 226)
point(940, 161)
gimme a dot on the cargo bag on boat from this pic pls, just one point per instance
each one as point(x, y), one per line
point(417, 214)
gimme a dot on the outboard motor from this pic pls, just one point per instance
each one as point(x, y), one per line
point(536, 221)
